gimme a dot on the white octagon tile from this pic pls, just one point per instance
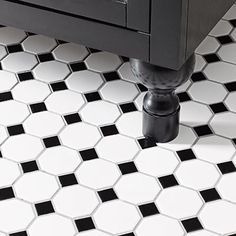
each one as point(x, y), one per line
point(97, 173)
point(39, 44)
point(224, 124)
point(80, 135)
point(3, 134)
point(179, 202)
point(3, 51)
point(221, 72)
point(197, 174)
point(13, 112)
point(230, 102)
point(184, 140)
point(22, 147)
point(116, 217)
point(183, 87)
point(227, 53)
point(30, 91)
point(156, 161)
point(200, 63)
point(70, 52)
point(137, 188)
point(84, 81)
point(11, 212)
point(93, 233)
point(126, 73)
point(219, 217)
point(130, 124)
point(9, 35)
point(189, 113)
point(19, 61)
point(36, 186)
point(51, 71)
point(202, 233)
point(139, 101)
point(52, 224)
point(119, 91)
point(117, 148)
point(233, 34)
point(200, 92)
point(159, 225)
point(105, 113)
point(64, 102)
point(7, 80)
point(222, 28)
point(59, 160)
point(231, 14)
point(226, 187)
point(9, 172)
point(75, 201)
point(214, 149)
point(103, 62)
point(208, 45)
point(43, 124)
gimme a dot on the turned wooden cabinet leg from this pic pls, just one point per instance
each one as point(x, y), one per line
point(161, 105)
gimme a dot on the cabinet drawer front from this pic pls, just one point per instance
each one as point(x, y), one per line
point(111, 11)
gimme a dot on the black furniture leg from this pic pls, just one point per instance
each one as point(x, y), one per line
point(161, 104)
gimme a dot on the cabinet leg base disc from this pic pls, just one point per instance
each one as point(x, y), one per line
point(161, 128)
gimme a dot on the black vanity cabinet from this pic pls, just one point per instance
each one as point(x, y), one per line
point(159, 37)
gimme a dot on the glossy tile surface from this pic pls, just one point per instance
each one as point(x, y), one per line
point(74, 162)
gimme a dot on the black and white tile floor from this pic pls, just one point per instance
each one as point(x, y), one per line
point(73, 158)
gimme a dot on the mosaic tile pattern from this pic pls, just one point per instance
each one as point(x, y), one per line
point(73, 158)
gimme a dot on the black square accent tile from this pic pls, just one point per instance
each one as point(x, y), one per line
point(46, 57)
point(210, 195)
point(107, 195)
point(142, 88)
point(43, 208)
point(67, 180)
point(84, 224)
point(192, 224)
point(78, 66)
point(218, 107)
point(183, 97)
point(15, 129)
point(72, 118)
point(231, 87)
point(168, 181)
point(124, 59)
point(225, 39)
point(203, 130)
point(147, 143)
point(29, 166)
point(93, 50)
point(6, 193)
point(0, 66)
point(14, 48)
point(59, 86)
point(148, 209)
point(198, 76)
point(30, 33)
point(210, 58)
point(233, 22)
point(128, 107)
point(5, 96)
point(88, 154)
point(61, 41)
point(51, 142)
point(38, 107)
point(226, 167)
point(25, 76)
point(234, 140)
point(128, 234)
point(127, 168)
point(185, 155)
point(110, 76)
point(0, 154)
point(22, 233)
point(91, 97)
point(109, 130)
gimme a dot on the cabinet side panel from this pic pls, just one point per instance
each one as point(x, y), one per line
point(203, 16)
